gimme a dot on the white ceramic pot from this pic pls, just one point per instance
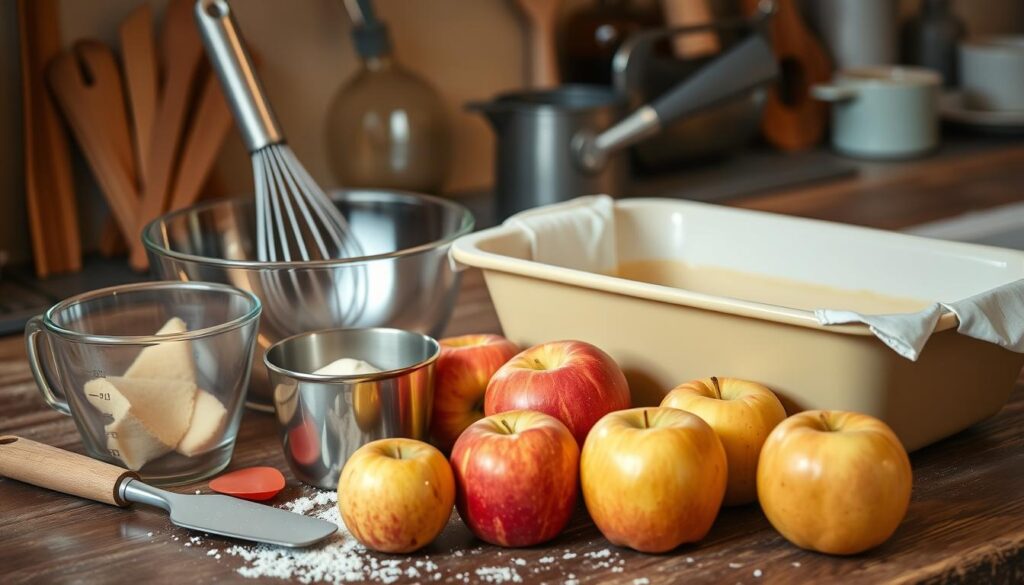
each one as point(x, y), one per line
point(992, 73)
point(883, 112)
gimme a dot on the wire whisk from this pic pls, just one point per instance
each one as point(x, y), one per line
point(295, 220)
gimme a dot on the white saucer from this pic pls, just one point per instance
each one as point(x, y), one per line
point(953, 109)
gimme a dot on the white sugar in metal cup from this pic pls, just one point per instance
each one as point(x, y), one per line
point(324, 418)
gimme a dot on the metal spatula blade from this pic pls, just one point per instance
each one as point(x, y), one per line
point(232, 517)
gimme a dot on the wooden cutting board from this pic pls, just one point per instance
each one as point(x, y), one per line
point(49, 187)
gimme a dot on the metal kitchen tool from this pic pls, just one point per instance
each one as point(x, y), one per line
point(409, 281)
point(70, 473)
point(642, 73)
point(562, 143)
point(323, 419)
point(294, 218)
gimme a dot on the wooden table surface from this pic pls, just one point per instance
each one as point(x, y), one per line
point(965, 523)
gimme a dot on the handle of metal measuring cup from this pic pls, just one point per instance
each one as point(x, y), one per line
point(33, 329)
point(234, 68)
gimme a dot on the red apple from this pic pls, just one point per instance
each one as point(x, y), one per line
point(653, 478)
point(515, 477)
point(572, 381)
point(463, 370)
point(396, 495)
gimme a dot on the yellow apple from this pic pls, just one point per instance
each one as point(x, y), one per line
point(653, 478)
point(834, 482)
point(742, 413)
point(396, 495)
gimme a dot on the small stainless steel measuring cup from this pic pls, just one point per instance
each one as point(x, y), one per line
point(323, 419)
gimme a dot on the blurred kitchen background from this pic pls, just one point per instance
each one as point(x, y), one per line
point(470, 51)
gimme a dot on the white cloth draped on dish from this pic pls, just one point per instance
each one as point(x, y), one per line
point(995, 315)
point(562, 236)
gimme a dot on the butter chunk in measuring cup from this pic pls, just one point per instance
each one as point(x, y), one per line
point(156, 406)
point(138, 433)
point(208, 418)
point(166, 361)
point(163, 406)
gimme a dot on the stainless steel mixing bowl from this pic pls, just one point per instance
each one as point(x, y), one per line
point(404, 280)
point(324, 419)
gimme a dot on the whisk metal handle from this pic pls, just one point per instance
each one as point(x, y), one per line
point(231, 61)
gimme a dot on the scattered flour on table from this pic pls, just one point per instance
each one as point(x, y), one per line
point(341, 559)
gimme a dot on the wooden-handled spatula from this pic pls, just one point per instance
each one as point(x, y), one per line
point(56, 469)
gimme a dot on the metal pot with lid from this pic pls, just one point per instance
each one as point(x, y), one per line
point(557, 144)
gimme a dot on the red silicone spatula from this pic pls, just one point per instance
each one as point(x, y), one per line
point(251, 483)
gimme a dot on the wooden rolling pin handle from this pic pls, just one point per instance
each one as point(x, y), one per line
point(56, 469)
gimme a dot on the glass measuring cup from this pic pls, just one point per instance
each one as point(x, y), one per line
point(154, 374)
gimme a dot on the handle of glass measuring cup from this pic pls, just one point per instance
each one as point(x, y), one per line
point(33, 330)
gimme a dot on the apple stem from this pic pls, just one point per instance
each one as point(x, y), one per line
point(537, 364)
point(508, 427)
point(718, 388)
point(647, 423)
point(824, 421)
point(398, 451)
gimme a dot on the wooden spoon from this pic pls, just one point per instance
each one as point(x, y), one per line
point(542, 15)
point(87, 85)
point(209, 127)
point(138, 59)
point(138, 54)
point(181, 51)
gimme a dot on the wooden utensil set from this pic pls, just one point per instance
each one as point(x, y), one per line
point(151, 129)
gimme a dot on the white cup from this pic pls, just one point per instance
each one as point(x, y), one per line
point(883, 112)
point(992, 73)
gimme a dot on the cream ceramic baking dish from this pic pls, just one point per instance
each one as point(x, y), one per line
point(662, 336)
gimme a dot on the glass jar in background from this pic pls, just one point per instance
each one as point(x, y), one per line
point(386, 127)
